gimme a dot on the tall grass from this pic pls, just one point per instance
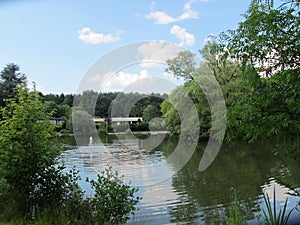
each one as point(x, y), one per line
point(235, 213)
point(271, 215)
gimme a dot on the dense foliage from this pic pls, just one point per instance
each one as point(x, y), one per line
point(223, 70)
point(257, 67)
point(29, 171)
point(267, 42)
point(269, 37)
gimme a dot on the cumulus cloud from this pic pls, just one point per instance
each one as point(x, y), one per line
point(188, 12)
point(161, 17)
point(100, 79)
point(121, 80)
point(156, 53)
point(134, 82)
point(90, 37)
point(184, 37)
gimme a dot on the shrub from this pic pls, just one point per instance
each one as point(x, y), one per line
point(114, 200)
point(143, 126)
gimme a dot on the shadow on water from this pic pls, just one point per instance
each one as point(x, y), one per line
point(249, 169)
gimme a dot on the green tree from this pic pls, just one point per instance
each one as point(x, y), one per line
point(82, 125)
point(269, 109)
point(269, 36)
point(171, 116)
point(10, 78)
point(182, 65)
point(216, 64)
point(68, 100)
point(267, 42)
point(104, 101)
point(150, 112)
point(58, 111)
point(28, 155)
point(87, 101)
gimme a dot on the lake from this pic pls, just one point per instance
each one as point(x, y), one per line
point(189, 196)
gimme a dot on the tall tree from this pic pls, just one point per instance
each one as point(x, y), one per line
point(217, 64)
point(28, 155)
point(183, 65)
point(10, 78)
point(269, 37)
point(150, 112)
point(268, 43)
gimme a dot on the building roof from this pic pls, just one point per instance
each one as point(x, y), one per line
point(126, 119)
point(119, 119)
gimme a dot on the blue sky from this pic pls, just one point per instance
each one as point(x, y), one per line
point(56, 41)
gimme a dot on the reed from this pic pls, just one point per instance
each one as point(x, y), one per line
point(271, 215)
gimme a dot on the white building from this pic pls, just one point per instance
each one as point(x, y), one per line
point(120, 120)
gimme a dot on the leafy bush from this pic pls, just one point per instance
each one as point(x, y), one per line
point(114, 200)
point(143, 126)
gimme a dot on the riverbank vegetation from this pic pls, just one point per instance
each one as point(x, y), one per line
point(257, 67)
point(35, 188)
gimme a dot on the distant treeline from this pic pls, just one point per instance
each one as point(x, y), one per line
point(90, 103)
point(99, 104)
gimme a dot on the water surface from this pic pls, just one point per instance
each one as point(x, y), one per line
point(189, 196)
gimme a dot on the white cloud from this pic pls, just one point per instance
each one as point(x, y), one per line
point(185, 37)
point(156, 53)
point(161, 17)
point(90, 37)
point(98, 79)
point(95, 79)
point(134, 82)
point(188, 12)
point(120, 81)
